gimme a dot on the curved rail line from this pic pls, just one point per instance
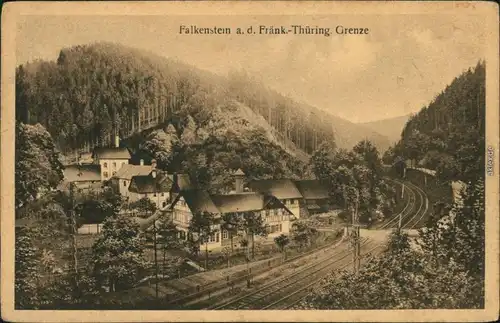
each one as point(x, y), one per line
point(259, 299)
point(292, 299)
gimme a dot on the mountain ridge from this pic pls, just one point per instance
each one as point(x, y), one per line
point(93, 92)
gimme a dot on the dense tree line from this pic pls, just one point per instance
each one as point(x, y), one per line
point(94, 92)
point(355, 180)
point(448, 135)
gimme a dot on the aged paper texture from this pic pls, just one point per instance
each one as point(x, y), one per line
point(250, 161)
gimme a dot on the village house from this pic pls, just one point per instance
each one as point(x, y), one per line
point(283, 189)
point(84, 177)
point(122, 179)
point(111, 159)
point(155, 186)
point(315, 196)
point(188, 202)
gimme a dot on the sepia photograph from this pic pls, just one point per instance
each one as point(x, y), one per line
point(182, 160)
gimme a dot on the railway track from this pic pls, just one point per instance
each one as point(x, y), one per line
point(290, 300)
point(289, 290)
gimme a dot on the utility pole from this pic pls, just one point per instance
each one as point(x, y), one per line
point(355, 233)
point(154, 239)
point(402, 196)
point(73, 231)
point(156, 259)
point(248, 261)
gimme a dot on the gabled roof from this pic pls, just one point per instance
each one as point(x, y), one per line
point(239, 202)
point(128, 171)
point(82, 173)
point(199, 201)
point(280, 188)
point(111, 153)
point(147, 184)
point(312, 189)
point(239, 172)
point(244, 202)
point(202, 201)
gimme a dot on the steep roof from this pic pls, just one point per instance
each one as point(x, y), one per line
point(243, 202)
point(128, 171)
point(147, 184)
point(280, 188)
point(82, 173)
point(199, 201)
point(239, 172)
point(239, 202)
point(202, 201)
point(111, 153)
point(312, 189)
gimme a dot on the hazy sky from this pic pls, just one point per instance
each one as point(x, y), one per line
point(396, 69)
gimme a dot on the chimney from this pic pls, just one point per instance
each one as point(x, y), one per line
point(117, 141)
point(239, 176)
point(142, 162)
point(153, 163)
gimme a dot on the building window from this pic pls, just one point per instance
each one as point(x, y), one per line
point(164, 204)
point(267, 213)
point(162, 194)
point(114, 165)
point(154, 194)
point(273, 228)
point(292, 201)
point(105, 174)
point(114, 173)
point(225, 234)
point(275, 212)
point(125, 183)
point(281, 228)
point(105, 165)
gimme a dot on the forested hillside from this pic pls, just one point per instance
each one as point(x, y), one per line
point(448, 134)
point(94, 92)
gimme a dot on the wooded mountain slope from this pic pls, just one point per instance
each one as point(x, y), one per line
point(449, 134)
point(94, 92)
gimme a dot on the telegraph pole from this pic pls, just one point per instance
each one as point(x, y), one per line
point(355, 233)
point(402, 197)
point(156, 259)
point(73, 231)
point(154, 239)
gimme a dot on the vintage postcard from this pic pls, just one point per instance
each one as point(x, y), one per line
point(250, 161)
